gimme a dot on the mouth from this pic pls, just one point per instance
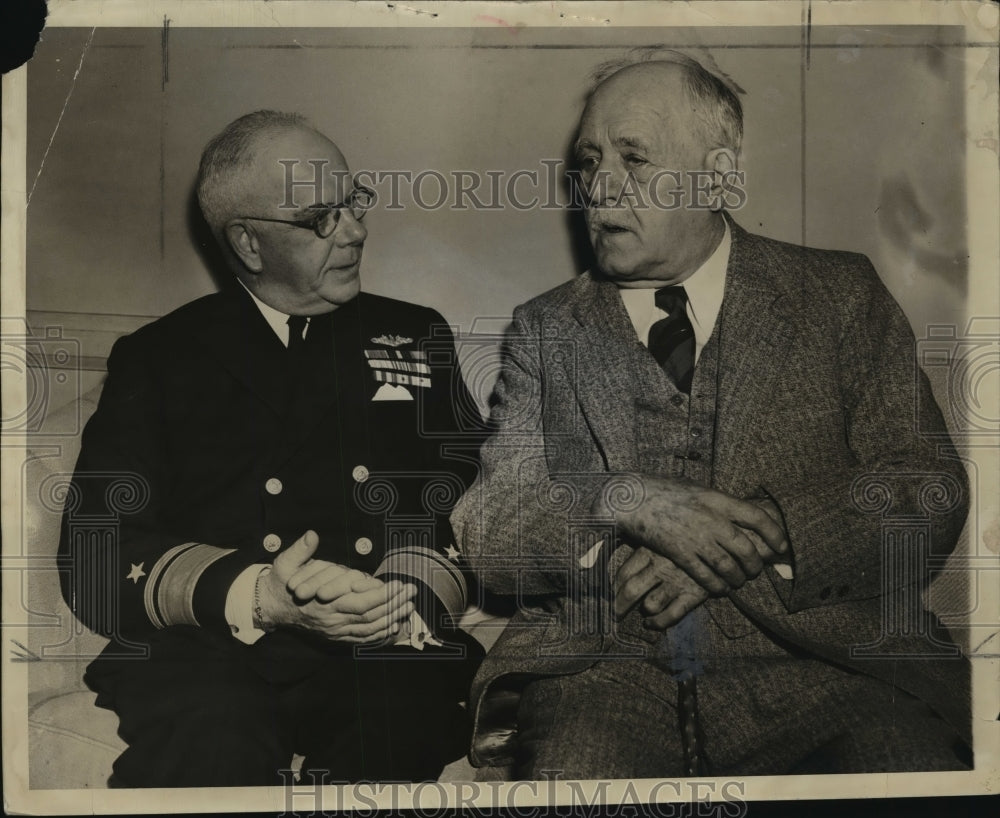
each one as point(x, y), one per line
point(610, 229)
point(348, 266)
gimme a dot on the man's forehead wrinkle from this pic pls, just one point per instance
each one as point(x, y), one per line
point(299, 155)
point(649, 77)
point(650, 91)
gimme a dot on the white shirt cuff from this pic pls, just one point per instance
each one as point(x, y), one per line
point(784, 570)
point(419, 634)
point(239, 605)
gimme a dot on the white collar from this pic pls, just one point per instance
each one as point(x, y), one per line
point(705, 289)
point(276, 319)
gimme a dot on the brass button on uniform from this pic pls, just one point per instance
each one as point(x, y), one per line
point(272, 542)
point(360, 474)
point(273, 486)
point(677, 400)
point(363, 546)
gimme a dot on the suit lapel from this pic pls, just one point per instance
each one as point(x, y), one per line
point(248, 348)
point(243, 342)
point(757, 326)
point(330, 385)
point(607, 356)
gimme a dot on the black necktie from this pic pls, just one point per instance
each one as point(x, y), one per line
point(296, 335)
point(671, 339)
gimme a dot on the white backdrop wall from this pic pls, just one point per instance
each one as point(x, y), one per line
point(853, 141)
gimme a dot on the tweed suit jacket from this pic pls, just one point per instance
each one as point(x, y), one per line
point(820, 407)
point(209, 452)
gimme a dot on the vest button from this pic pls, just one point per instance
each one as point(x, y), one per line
point(363, 546)
point(696, 432)
point(677, 400)
point(272, 542)
point(360, 474)
point(273, 486)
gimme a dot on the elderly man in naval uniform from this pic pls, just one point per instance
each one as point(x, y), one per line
point(281, 575)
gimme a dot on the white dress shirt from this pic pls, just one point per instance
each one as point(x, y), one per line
point(276, 319)
point(704, 288)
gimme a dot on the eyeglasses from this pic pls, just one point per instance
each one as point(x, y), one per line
point(327, 217)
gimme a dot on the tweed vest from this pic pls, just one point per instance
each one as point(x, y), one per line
point(675, 437)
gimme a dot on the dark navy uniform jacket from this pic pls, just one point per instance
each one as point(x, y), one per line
point(213, 448)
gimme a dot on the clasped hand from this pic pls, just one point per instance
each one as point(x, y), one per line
point(337, 602)
point(691, 542)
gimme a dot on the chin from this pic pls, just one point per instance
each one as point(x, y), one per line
point(615, 269)
point(342, 291)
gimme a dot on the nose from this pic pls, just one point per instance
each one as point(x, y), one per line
point(350, 231)
point(605, 188)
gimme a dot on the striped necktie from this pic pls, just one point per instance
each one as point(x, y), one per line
point(671, 339)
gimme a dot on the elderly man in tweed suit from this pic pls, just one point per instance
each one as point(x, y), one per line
point(684, 443)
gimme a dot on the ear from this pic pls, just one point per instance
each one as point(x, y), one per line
point(722, 162)
point(244, 242)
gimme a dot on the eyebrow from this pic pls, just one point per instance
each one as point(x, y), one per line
point(309, 212)
point(618, 142)
point(630, 142)
point(299, 213)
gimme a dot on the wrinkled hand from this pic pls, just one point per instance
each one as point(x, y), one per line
point(702, 531)
point(665, 592)
point(337, 602)
point(767, 554)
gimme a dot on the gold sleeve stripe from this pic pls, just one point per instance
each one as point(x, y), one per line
point(149, 596)
point(176, 592)
point(446, 581)
point(170, 598)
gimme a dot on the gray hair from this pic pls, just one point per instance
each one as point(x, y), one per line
point(715, 93)
point(222, 175)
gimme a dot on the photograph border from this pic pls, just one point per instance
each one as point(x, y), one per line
point(983, 208)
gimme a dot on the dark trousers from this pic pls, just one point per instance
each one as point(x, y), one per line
point(206, 710)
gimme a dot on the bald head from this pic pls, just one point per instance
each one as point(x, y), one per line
point(225, 174)
point(685, 84)
point(293, 168)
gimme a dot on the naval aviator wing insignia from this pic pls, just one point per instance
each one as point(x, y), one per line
point(391, 340)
